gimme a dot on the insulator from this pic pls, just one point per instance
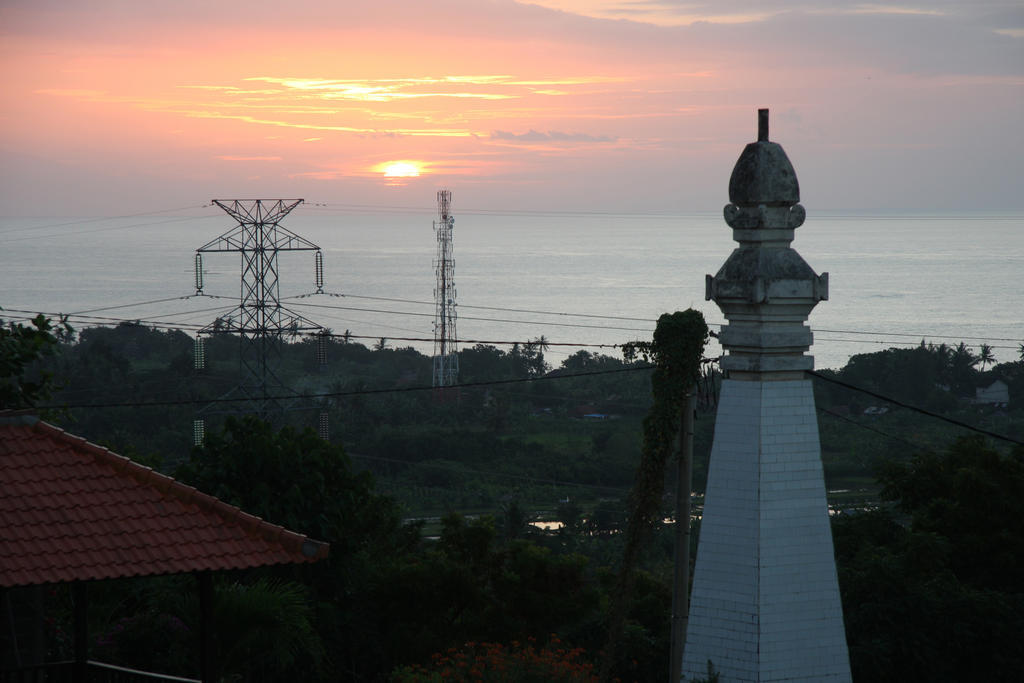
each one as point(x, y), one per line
point(199, 353)
point(199, 273)
point(319, 272)
point(198, 432)
point(323, 425)
point(321, 348)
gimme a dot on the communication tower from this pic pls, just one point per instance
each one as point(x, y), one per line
point(446, 359)
point(260, 321)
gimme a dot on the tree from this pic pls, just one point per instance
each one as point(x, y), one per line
point(985, 356)
point(306, 484)
point(295, 479)
point(931, 584)
point(264, 629)
point(962, 373)
point(676, 351)
point(535, 353)
point(21, 346)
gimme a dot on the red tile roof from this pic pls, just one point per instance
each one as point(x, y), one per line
point(70, 510)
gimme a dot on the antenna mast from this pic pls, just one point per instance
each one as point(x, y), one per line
point(446, 359)
point(260, 321)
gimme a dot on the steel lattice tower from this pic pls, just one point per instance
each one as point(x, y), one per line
point(260, 321)
point(446, 359)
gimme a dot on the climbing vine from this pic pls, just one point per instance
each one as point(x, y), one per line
point(676, 351)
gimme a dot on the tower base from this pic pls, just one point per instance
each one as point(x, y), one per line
point(765, 603)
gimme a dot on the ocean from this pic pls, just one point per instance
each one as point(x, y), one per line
point(575, 278)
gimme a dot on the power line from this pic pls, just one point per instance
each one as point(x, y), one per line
point(914, 408)
point(668, 214)
point(890, 342)
point(837, 416)
point(910, 334)
point(343, 394)
point(818, 375)
point(469, 341)
point(490, 473)
point(113, 227)
point(486, 308)
point(893, 342)
point(135, 305)
point(465, 317)
point(914, 335)
point(109, 320)
point(83, 221)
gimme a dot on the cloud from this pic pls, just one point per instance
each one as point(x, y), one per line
point(228, 157)
point(551, 136)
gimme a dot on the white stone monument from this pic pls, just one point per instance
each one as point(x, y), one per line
point(765, 601)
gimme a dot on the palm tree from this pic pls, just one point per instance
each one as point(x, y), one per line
point(985, 356)
point(537, 347)
point(962, 363)
point(1020, 350)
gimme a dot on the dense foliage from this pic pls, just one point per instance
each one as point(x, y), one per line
point(428, 508)
point(932, 586)
point(676, 351)
point(22, 383)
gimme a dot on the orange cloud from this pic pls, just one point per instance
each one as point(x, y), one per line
point(228, 157)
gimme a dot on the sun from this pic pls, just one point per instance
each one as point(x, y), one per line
point(400, 169)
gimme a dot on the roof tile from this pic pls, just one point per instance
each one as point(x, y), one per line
point(75, 511)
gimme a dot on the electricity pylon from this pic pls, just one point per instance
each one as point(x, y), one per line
point(260, 321)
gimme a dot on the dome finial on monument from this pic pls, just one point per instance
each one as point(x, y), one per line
point(763, 189)
point(765, 289)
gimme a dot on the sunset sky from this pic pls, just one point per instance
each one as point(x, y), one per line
point(112, 106)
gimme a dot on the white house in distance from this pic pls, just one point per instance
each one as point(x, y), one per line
point(997, 393)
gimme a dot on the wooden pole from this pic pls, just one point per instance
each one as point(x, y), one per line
point(206, 659)
point(80, 597)
point(681, 575)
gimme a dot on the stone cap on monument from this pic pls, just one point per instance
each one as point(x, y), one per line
point(765, 289)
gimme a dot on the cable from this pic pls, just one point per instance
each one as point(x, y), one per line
point(466, 211)
point(103, 320)
point(342, 394)
point(461, 317)
point(491, 473)
point(484, 308)
point(916, 409)
point(114, 227)
point(142, 303)
point(910, 334)
point(823, 411)
point(472, 341)
point(108, 320)
point(377, 208)
point(101, 218)
point(890, 342)
point(526, 322)
point(162, 324)
point(648, 320)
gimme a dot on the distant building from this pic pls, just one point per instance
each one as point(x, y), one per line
point(997, 393)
